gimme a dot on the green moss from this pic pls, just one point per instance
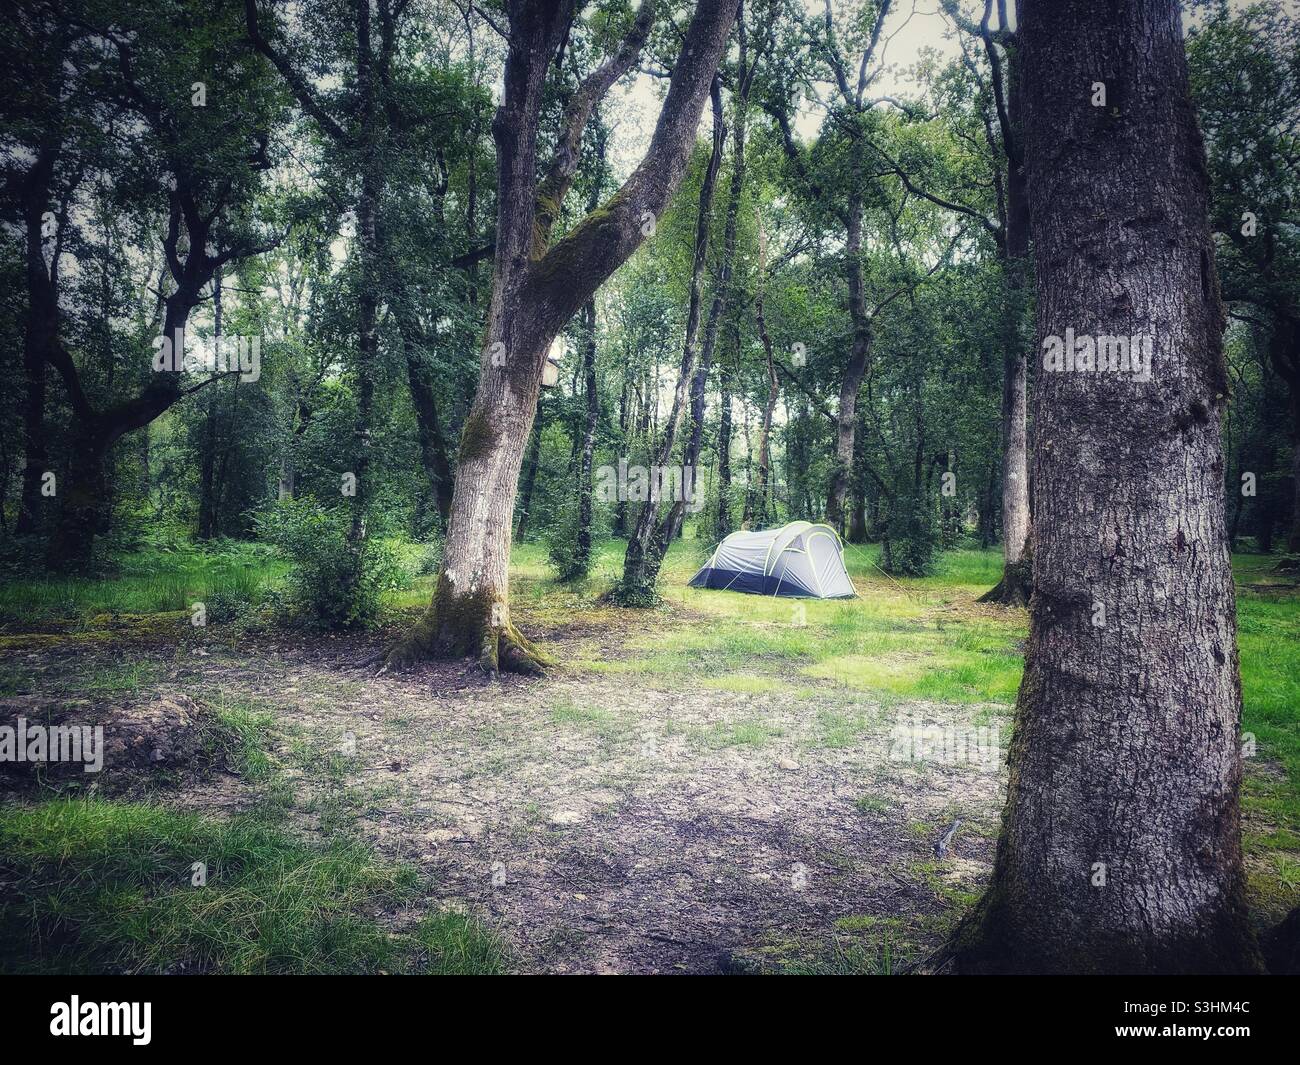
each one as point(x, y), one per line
point(477, 438)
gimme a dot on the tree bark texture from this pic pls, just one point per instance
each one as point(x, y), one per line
point(1121, 842)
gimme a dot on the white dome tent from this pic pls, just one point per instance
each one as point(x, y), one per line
point(801, 560)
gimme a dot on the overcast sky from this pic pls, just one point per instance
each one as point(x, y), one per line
point(910, 27)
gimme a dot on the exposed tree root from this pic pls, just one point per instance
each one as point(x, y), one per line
point(459, 630)
point(509, 651)
point(1016, 585)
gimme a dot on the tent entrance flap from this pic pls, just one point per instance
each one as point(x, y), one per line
point(800, 560)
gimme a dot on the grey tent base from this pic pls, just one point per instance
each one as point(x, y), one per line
point(800, 560)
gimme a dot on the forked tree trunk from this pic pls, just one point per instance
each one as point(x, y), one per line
point(1121, 841)
point(83, 492)
point(537, 287)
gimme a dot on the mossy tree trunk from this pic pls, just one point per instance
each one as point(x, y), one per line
point(1121, 841)
point(538, 285)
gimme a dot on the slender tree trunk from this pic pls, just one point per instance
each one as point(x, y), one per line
point(624, 397)
point(671, 527)
point(987, 525)
point(1016, 585)
point(582, 547)
point(724, 524)
point(763, 489)
point(223, 465)
point(1017, 575)
point(1284, 354)
point(285, 489)
point(428, 426)
point(207, 467)
point(530, 475)
point(367, 208)
point(649, 541)
point(1121, 841)
point(1293, 541)
point(208, 457)
point(587, 451)
point(854, 371)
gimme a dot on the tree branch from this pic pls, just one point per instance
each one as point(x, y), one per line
point(564, 162)
point(297, 84)
point(606, 238)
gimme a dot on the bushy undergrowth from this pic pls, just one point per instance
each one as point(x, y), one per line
point(911, 538)
point(561, 540)
point(333, 583)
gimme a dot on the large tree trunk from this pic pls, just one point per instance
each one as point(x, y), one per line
point(41, 327)
point(83, 492)
point(537, 288)
point(1121, 841)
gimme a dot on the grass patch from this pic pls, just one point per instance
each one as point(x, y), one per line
point(750, 732)
point(148, 582)
point(845, 957)
point(101, 887)
point(454, 944)
point(745, 683)
point(248, 725)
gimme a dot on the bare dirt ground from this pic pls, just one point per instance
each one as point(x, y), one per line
point(603, 822)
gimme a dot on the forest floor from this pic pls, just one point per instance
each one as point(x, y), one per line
point(725, 783)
